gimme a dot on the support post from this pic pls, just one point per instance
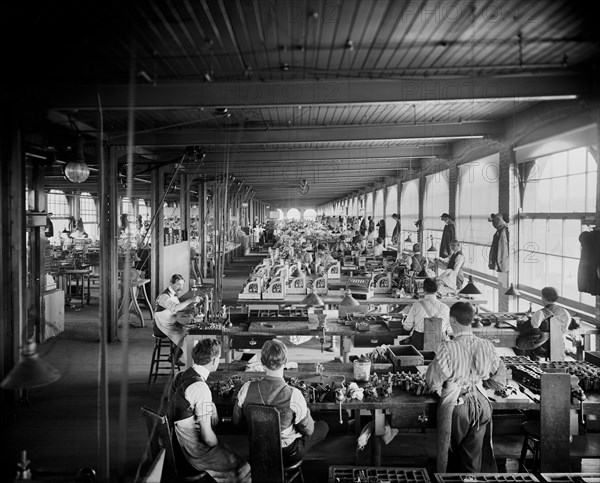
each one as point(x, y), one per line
point(555, 422)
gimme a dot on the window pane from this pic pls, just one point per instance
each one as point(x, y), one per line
point(558, 194)
point(572, 230)
point(576, 193)
point(590, 199)
point(553, 271)
point(477, 198)
point(409, 205)
point(569, 279)
point(538, 242)
point(577, 161)
point(558, 164)
point(554, 237)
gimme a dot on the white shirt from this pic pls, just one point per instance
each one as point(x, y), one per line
point(297, 405)
point(430, 306)
point(377, 250)
point(561, 314)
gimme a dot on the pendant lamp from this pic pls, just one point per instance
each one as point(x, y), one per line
point(31, 371)
point(512, 291)
point(349, 300)
point(432, 248)
point(77, 171)
point(312, 300)
point(470, 288)
point(408, 239)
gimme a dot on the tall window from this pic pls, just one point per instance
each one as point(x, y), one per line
point(369, 204)
point(89, 215)
point(58, 204)
point(391, 207)
point(146, 211)
point(435, 203)
point(477, 198)
point(560, 191)
point(409, 208)
point(378, 206)
point(293, 214)
point(310, 214)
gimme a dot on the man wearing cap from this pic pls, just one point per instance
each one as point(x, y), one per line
point(448, 235)
point(499, 249)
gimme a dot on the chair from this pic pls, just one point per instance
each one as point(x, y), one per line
point(161, 360)
point(175, 466)
point(264, 435)
point(531, 442)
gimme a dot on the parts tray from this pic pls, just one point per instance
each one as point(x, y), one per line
point(352, 474)
point(485, 477)
point(570, 477)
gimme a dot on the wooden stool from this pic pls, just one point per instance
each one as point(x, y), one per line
point(531, 442)
point(161, 360)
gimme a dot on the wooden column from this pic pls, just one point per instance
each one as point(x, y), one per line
point(13, 270)
point(202, 235)
point(109, 280)
point(555, 422)
point(36, 275)
point(184, 207)
point(158, 232)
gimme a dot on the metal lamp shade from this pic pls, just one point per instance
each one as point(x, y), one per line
point(512, 291)
point(77, 171)
point(31, 371)
point(349, 300)
point(312, 300)
point(470, 288)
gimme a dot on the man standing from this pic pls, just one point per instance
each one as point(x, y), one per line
point(499, 250)
point(458, 373)
point(193, 415)
point(165, 310)
point(429, 307)
point(396, 232)
point(381, 231)
point(448, 235)
point(299, 432)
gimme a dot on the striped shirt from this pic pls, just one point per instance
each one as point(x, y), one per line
point(466, 361)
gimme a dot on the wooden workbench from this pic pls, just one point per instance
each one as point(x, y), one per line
point(403, 409)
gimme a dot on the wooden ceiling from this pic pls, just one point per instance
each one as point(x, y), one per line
point(344, 94)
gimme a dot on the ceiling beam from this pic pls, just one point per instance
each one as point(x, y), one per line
point(324, 92)
point(310, 154)
point(324, 134)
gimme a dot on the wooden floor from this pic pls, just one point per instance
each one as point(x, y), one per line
point(59, 425)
